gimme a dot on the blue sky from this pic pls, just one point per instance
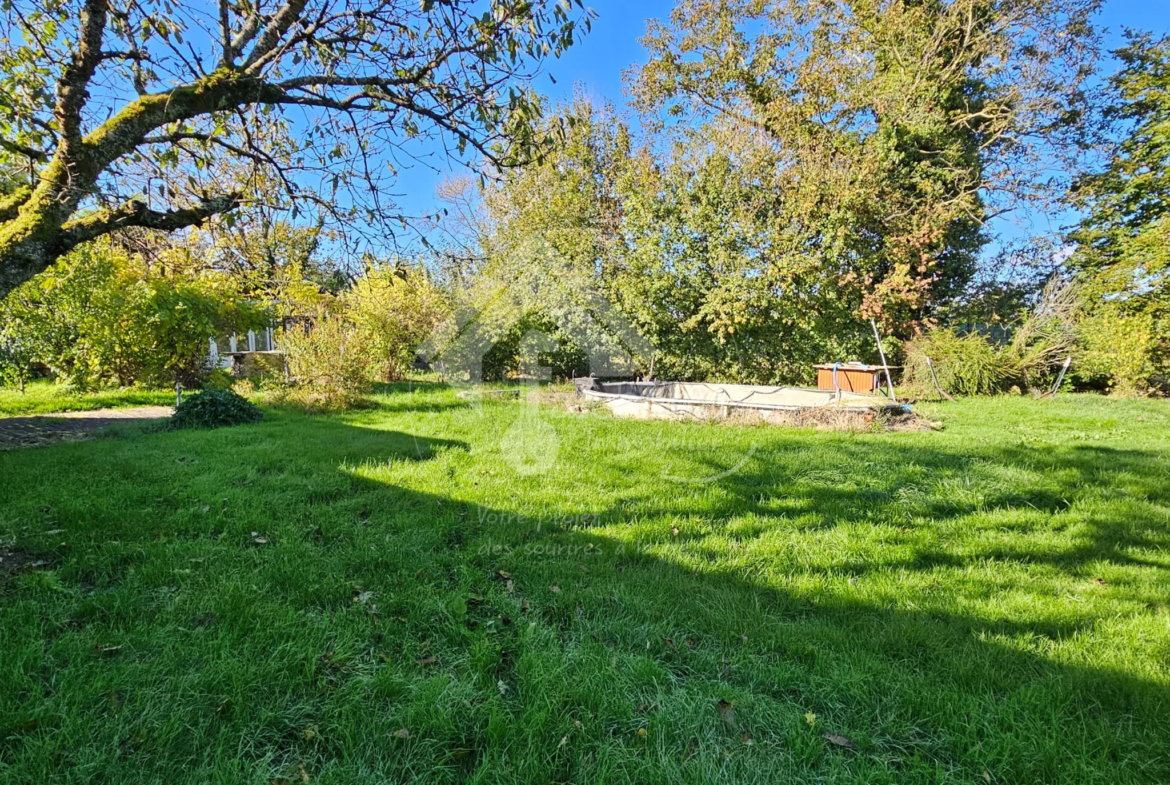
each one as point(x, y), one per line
point(595, 66)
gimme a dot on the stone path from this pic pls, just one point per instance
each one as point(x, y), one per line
point(71, 426)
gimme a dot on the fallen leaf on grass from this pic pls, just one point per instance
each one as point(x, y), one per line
point(310, 732)
point(363, 597)
point(555, 589)
point(641, 733)
point(402, 733)
point(669, 644)
point(746, 737)
point(504, 574)
point(564, 741)
point(503, 688)
point(1099, 581)
point(810, 718)
point(424, 661)
point(727, 712)
point(524, 606)
point(674, 531)
point(108, 650)
point(839, 741)
point(511, 587)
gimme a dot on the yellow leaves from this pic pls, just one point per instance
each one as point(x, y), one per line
point(810, 718)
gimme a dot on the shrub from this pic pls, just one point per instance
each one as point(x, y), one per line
point(393, 310)
point(1122, 352)
point(1047, 335)
point(214, 408)
point(99, 316)
point(327, 365)
point(973, 364)
point(966, 364)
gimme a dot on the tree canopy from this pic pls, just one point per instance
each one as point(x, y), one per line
point(881, 134)
point(141, 113)
point(1124, 238)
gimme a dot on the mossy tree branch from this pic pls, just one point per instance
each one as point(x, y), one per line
point(129, 112)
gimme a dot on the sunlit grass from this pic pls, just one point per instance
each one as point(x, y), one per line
point(382, 596)
point(46, 397)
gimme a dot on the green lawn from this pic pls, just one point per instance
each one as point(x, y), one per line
point(44, 397)
point(383, 597)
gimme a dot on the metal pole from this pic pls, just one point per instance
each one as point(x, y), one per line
point(1060, 378)
point(882, 353)
point(934, 376)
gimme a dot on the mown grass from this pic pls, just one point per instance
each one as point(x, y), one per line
point(383, 597)
point(45, 397)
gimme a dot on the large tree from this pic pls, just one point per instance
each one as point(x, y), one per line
point(881, 134)
point(122, 112)
point(1122, 257)
point(1124, 238)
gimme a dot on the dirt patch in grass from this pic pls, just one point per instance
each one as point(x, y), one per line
point(14, 560)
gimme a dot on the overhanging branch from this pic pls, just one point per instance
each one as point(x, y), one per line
point(136, 213)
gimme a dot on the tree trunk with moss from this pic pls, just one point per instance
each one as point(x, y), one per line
point(365, 74)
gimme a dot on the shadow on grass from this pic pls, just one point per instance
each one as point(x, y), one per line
point(491, 632)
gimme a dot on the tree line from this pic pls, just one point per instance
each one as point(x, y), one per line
point(787, 172)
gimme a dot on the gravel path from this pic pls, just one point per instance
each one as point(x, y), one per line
point(44, 429)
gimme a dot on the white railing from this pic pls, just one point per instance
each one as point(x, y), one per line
point(252, 341)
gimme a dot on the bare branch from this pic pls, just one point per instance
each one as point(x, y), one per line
point(248, 31)
point(71, 89)
point(225, 35)
point(136, 213)
point(276, 29)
